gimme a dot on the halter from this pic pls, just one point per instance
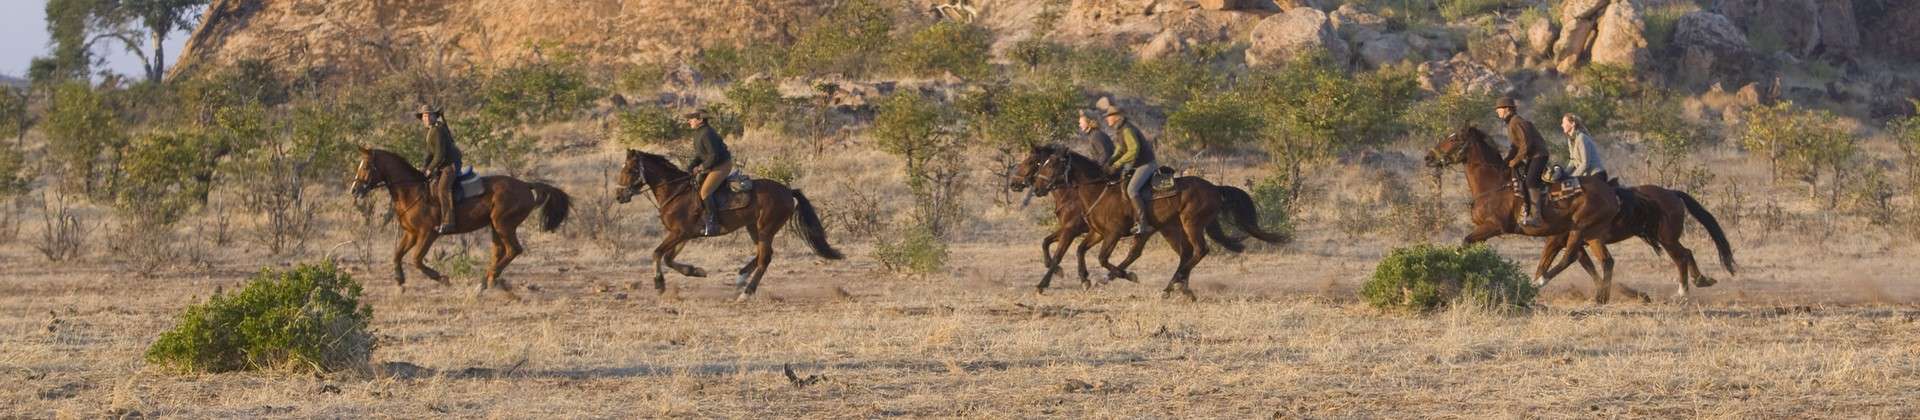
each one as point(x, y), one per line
point(640, 185)
point(1066, 180)
point(374, 172)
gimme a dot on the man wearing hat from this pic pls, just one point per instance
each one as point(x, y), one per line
point(1528, 158)
point(1133, 153)
point(1091, 133)
point(710, 156)
point(442, 163)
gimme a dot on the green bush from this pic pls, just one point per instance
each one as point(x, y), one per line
point(1661, 21)
point(1273, 196)
point(494, 143)
point(81, 127)
point(537, 92)
point(1670, 136)
point(167, 175)
point(1013, 117)
point(14, 177)
point(1223, 121)
point(1427, 277)
point(307, 319)
point(758, 101)
point(1455, 10)
point(726, 63)
point(648, 125)
point(1173, 80)
point(1441, 115)
point(1799, 143)
point(1906, 134)
point(916, 249)
point(957, 48)
point(846, 40)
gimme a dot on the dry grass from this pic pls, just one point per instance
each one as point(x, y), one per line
point(1820, 324)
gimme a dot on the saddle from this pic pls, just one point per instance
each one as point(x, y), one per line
point(467, 185)
point(1162, 183)
point(1562, 185)
point(733, 191)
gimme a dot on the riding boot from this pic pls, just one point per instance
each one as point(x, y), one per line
point(446, 208)
point(1143, 208)
point(1536, 204)
point(712, 216)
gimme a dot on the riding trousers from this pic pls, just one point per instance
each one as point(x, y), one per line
point(716, 177)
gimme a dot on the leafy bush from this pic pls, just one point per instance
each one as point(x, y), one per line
point(537, 92)
point(1314, 111)
point(1441, 115)
point(758, 101)
point(1427, 277)
point(845, 41)
point(1455, 10)
point(915, 249)
point(1799, 143)
point(1223, 121)
point(1037, 52)
point(167, 175)
point(1661, 21)
point(726, 63)
point(1013, 117)
point(14, 176)
point(647, 125)
point(80, 127)
point(1173, 80)
point(306, 319)
point(1274, 197)
point(917, 129)
point(495, 144)
point(951, 47)
point(1906, 134)
point(1669, 135)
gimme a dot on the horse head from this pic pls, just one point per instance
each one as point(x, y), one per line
point(1454, 148)
point(1022, 174)
point(643, 170)
point(380, 168)
point(1050, 167)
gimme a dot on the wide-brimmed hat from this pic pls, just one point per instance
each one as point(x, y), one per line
point(426, 110)
point(698, 114)
point(1505, 102)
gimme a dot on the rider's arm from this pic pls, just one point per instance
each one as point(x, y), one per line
point(1127, 149)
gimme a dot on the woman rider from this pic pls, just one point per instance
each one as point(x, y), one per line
point(710, 156)
point(1133, 153)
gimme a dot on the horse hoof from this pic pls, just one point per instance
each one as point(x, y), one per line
point(1189, 294)
point(1539, 282)
point(696, 272)
point(742, 298)
point(1704, 281)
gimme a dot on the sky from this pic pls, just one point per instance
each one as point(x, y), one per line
point(23, 36)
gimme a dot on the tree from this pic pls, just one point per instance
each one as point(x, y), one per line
point(918, 129)
point(155, 20)
point(80, 128)
point(844, 41)
point(1799, 143)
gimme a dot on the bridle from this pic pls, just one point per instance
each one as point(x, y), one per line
point(1065, 180)
point(640, 185)
point(373, 172)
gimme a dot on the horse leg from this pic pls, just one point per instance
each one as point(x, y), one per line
point(1107, 242)
point(1133, 254)
point(1542, 274)
point(660, 253)
point(1603, 285)
point(1681, 257)
point(1480, 234)
point(684, 269)
point(1181, 248)
point(510, 237)
point(420, 258)
point(1196, 236)
point(1053, 258)
point(399, 257)
point(1081, 253)
point(763, 257)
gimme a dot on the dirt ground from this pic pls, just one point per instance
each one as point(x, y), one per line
point(1808, 329)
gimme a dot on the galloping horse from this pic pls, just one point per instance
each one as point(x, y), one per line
point(1072, 215)
point(506, 204)
point(771, 205)
point(1657, 216)
point(1183, 218)
point(1584, 218)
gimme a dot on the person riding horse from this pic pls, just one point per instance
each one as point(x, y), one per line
point(442, 163)
point(711, 158)
point(1528, 157)
point(1133, 153)
point(1091, 133)
point(1583, 155)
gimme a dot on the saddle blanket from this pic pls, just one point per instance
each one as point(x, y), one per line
point(1162, 183)
point(737, 192)
point(468, 185)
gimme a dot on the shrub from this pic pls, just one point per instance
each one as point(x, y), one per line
point(917, 129)
point(758, 101)
point(1906, 134)
point(726, 63)
point(1224, 121)
point(1661, 21)
point(167, 175)
point(845, 41)
point(1441, 115)
point(80, 128)
point(1455, 10)
point(1274, 197)
point(949, 47)
point(1037, 52)
point(14, 176)
point(1798, 143)
point(1013, 117)
point(307, 319)
point(915, 249)
point(1173, 80)
point(647, 125)
point(1314, 111)
point(642, 80)
point(1669, 135)
point(1427, 277)
point(537, 92)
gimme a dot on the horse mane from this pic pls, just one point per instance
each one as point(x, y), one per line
point(658, 161)
point(1482, 142)
point(378, 156)
point(1077, 162)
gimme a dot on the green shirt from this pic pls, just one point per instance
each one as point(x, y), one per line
point(1132, 150)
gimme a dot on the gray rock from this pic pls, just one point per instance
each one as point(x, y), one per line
point(1281, 37)
point(1385, 50)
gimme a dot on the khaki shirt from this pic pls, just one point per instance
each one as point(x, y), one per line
point(1583, 155)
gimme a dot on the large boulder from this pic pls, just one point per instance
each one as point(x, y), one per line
point(1165, 44)
point(1621, 39)
point(1802, 27)
point(1350, 20)
point(1895, 31)
point(1229, 4)
point(1281, 37)
point(1464, 74)
point(1540, 37)
point(1385, 50)
point(1709, 31)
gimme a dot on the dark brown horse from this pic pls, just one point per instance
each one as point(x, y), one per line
point(772, 205)
point(1183, 219)
point(506, 204)
point(1658, 216)
point(1071, 213)
point(1582, 219)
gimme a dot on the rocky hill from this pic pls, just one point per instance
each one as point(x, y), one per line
point(1849, 51)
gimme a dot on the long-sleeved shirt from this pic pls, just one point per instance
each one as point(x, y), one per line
point(1132, 150)
point(1102, 144)
point(1583, 156)
point(1527, 143)
point(708, 150)
point(441, 152)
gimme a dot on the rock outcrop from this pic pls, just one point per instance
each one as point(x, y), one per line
point(1802, 27)
point(1281, 37)
point(1600, 31)
point(1463, 74)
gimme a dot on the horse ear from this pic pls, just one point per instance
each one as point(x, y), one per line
point(364, 150)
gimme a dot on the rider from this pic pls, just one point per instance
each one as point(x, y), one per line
point(1090, 132)
point(710, 155)
point(1134, 153)
point(1583, 154)
point(442, 163)
point(1527, 157)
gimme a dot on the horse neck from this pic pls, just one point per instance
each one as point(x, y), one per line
point(667, 185)
point(1484, 170)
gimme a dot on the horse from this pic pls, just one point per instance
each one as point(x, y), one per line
point(1584, 218)
point(505, 205)
point(1658, 217)
point(1071, 214)
point(1182, 218)
point(771, 206)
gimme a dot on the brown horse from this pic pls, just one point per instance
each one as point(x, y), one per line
point(1183, 219)
point(1071, 213)
point(1658, 216)
point(1583, 218)
point(506, 204)
point(771, 206)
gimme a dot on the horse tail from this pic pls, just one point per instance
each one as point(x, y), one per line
point(811, 229)
point(1228, 242)
point(1240, 207)
point(554, 205)
point(1707, 220)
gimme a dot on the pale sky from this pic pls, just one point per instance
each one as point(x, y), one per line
point(23, 36)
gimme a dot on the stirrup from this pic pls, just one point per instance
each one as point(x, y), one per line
point(444, 229)
point(1142, 229)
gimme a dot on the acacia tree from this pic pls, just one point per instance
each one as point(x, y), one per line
point(154, 20)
